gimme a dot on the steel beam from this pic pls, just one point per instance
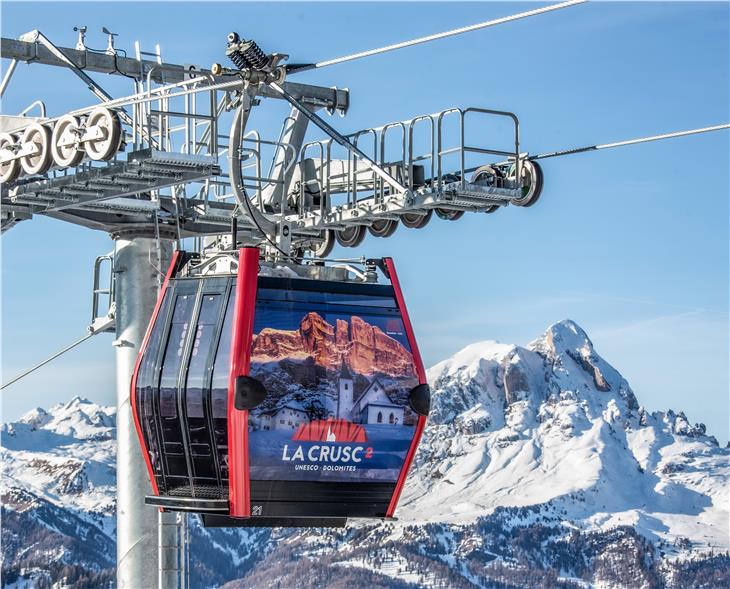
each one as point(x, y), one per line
point(162, 73)
point(96, 89)
point(7, 76)
point(103, 63)
point(285, 162)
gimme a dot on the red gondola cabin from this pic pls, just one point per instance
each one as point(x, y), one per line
point(293, 396)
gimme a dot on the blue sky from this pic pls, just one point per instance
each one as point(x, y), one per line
point(630, 243)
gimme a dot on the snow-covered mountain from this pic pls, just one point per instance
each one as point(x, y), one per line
point(554, 423)
point(538, 468)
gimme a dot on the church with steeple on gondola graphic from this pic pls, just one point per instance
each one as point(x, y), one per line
point(371, 407)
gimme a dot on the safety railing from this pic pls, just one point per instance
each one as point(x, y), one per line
point(462, 149)
point(401, 163)
point(185, 124)
point(429, 155)
point(353, 169)
point(396, 152)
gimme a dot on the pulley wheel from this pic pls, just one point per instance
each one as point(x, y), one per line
point(324, 248)
point(486, 176)
point(383, 227)
point(9, 170)
point(532, 178)
point(106, 146)
point(351, 236)
point(39, 162)
point(67, 130)
point(416, 221)
point(449, 215)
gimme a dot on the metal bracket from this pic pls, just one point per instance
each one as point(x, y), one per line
point(339, 138)
point(36, 36)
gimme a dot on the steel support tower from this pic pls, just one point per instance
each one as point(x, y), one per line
point(136, 284)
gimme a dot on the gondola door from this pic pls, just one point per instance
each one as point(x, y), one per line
point(177, 398)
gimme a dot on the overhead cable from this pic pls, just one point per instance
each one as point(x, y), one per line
point(630, 142)
point(436, 36)
point(47, 360)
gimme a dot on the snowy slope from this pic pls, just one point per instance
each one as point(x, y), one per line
point(65, 456)
point(58, 497)
point(538, 468)
point(555, 423)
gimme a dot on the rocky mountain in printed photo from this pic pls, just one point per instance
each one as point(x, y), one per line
point(366, 348)
point(539, 468)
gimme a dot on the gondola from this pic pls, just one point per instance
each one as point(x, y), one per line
point(278, 395)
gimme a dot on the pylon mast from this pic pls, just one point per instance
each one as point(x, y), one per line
point(137, 524)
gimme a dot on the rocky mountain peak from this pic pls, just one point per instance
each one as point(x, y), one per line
point(36, 418)
point(77, 402)
point(561, 363)
point(78, 418)
point(570, 352)
point(563, 336)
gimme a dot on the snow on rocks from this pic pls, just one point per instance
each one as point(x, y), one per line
point(554, 423)
point(65, 455)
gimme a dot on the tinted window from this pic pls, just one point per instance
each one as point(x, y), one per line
point(202, 347)
point(147, 385)
point(174, 354)
point(219, 392)
point(221, 369)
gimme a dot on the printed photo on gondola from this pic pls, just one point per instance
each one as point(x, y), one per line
point(337, 374)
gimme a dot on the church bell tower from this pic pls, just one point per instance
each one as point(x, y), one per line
point(346, 393)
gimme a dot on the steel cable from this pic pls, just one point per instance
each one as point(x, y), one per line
point(435, 37)
point(47, 360)
point(562, 152)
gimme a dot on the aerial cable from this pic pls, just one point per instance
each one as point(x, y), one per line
point(630, 142)
point(47, 360)
point(434, 37)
